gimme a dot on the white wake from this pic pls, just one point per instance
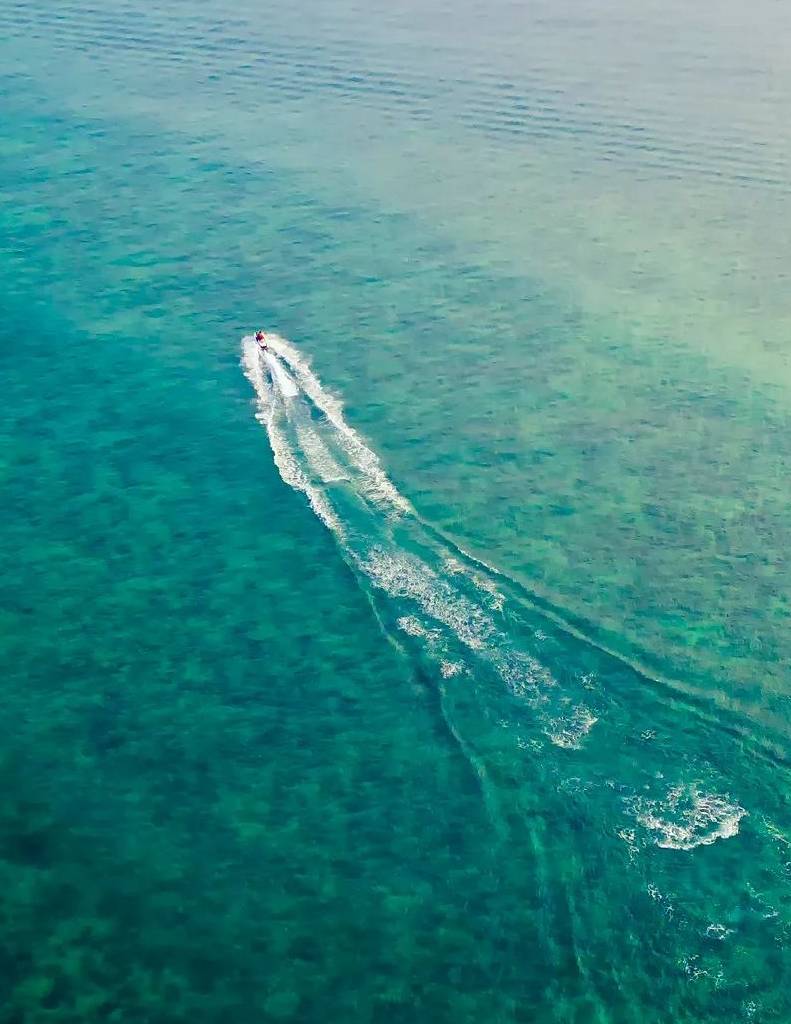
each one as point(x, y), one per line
point(437, 596)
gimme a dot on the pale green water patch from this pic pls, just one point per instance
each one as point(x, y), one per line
point(259, 771)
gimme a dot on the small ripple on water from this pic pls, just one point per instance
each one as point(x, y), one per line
point(529, 104)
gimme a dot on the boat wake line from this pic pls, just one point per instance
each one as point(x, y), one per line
point(491, 659)
point(435, 595)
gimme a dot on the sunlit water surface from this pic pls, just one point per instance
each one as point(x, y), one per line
point(433, 667)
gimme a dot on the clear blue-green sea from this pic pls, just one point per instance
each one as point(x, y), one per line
point(433, 667)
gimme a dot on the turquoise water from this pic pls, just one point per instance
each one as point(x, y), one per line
point(453, 687)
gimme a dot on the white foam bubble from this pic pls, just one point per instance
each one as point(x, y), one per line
point(526, 677)
point(569, 730)
point(532, 744)
point(457, 568)
point(292, 474)
point(287, 465)
point(664, 900)
point(411, 625)
point(692, 968)
point(402, 575)
point(687, 818)
point(629, 836)
point(496, 599)
point(379, 486)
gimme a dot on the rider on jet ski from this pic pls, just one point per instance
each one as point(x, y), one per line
point(260, 337)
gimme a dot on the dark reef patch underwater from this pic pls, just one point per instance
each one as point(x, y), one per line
point(436, 668)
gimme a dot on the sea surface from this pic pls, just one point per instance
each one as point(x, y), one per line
point(433, 668)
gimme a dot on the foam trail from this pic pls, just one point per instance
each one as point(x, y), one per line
point(687, 818)
point(362, 456)
point(449, 605)
point(285, 384)
point(287, 464)
point(485, 652)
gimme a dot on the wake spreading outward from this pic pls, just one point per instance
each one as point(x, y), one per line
point(492, 659)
